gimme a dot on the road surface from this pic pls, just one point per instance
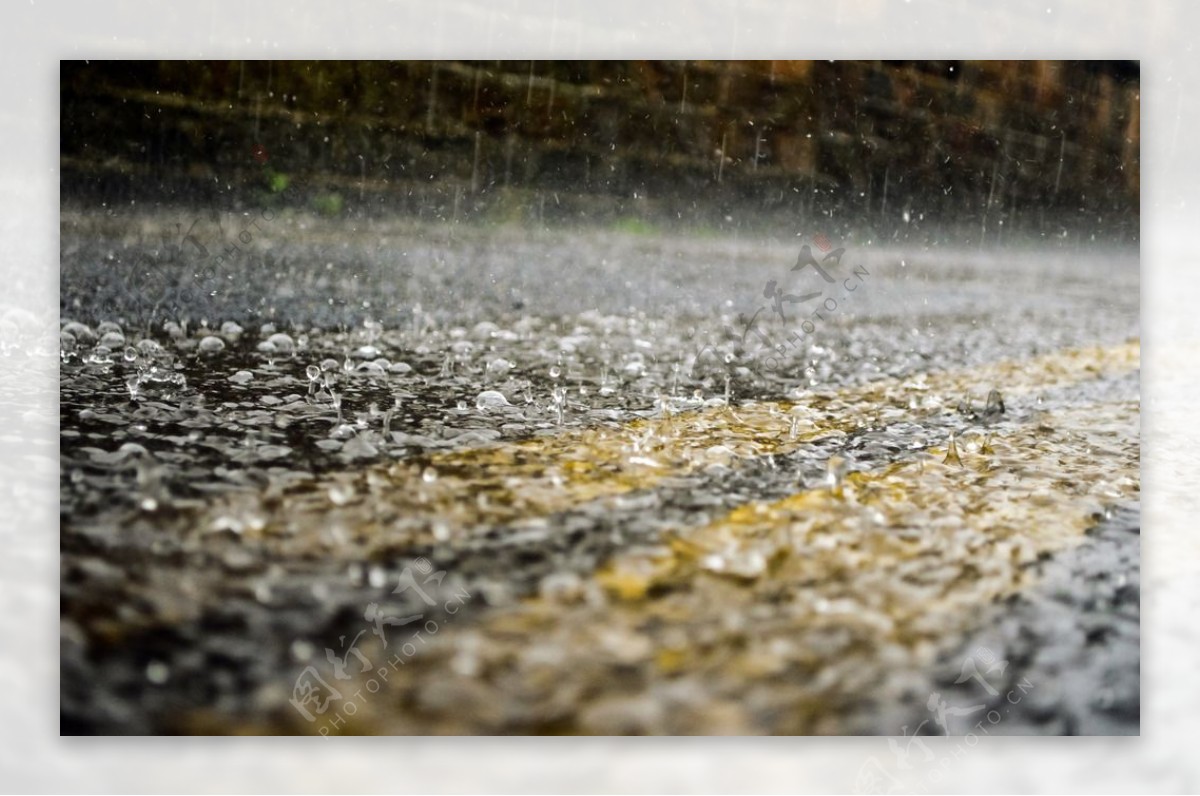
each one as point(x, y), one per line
point(387, 477)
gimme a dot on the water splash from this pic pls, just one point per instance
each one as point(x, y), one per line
point(995, 404)
point(952, 456)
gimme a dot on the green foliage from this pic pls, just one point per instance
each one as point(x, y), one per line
point(634, 226)
point(328, 204)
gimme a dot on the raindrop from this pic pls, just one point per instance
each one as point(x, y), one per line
point(499, 367)
point(302, 651)
point(560, 401)
point(370, 369)
point(100, 355)
point(491, 399)
point(835, 473)
point(262, 592)
point(79, 331)
point(340, 494)
point(113, 340)
point(283, 343)
point(157, 672)
point(965, 407)
point(211, 345)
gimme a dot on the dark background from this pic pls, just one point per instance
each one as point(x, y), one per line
point(970, 151)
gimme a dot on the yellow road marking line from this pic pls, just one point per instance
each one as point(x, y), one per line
point(779, 617)
point(782, 616)
point(407, 503)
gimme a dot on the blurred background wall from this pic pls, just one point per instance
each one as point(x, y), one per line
point(978, 150)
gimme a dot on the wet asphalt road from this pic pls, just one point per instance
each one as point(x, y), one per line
point(225, 519)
